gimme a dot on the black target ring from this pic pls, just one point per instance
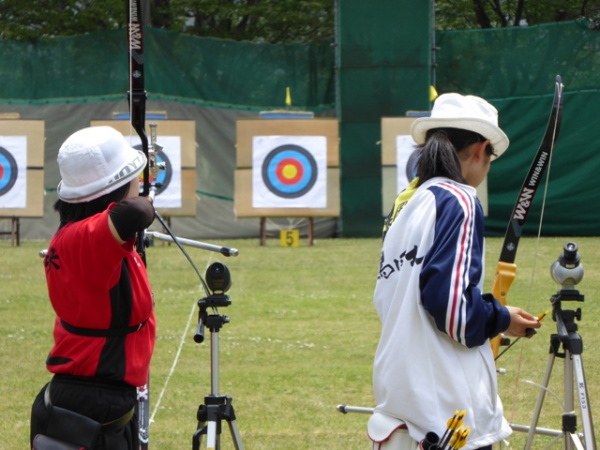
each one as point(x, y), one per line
point(278, 163)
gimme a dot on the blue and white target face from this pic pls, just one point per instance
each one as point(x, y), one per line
point(9, 171)
point(13, 172)
point(289, 171)
point(411, 166)
point(407, 156)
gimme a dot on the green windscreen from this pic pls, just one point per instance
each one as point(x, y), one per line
point(384, 70)
point(182, 67)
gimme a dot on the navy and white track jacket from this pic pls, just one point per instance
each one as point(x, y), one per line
point(434, 355)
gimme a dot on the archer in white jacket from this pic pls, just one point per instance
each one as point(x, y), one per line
point(434, 356)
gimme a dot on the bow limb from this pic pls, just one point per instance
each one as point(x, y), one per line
point(506, 269)
point(137, 95)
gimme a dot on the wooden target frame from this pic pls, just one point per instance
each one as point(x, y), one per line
point(247, 129)
point(186, 131)
point(33, 131)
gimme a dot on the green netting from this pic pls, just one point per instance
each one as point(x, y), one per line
point(384, 71)
point(515, 69)
point(519, 61)
point(182, 67)
point(78, 67)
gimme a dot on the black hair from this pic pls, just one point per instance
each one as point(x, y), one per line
point(74, 212)
point(438, 156)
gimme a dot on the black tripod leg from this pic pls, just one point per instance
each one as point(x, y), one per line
point(209, 423)
point(229, 416)
point(210, 417)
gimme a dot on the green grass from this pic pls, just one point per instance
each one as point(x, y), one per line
point(301, 340)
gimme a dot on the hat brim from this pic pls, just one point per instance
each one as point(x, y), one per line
point(70, 195)
point(496, 136)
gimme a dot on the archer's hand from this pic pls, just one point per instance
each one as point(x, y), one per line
point(520, 322)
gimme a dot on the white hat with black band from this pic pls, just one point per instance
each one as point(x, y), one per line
point(95, 161)
point(466, 112)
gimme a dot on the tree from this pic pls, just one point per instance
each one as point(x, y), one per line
point(256, 20)
point(49, 18)
point(251, 20)
point(271, 21)
point(466, 14)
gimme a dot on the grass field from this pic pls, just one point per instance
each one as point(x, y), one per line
point(301, 340)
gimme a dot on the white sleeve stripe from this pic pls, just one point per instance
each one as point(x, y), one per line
point(456, 313)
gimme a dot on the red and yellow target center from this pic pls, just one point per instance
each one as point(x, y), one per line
point(289, 171)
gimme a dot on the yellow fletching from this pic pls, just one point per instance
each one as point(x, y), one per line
point(452, 419)
point(455, 438)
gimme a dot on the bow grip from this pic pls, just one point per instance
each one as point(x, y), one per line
point(503, 279)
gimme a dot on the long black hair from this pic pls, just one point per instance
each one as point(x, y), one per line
point(74, 212)
point(438, 156)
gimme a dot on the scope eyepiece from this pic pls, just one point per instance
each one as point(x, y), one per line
point(569, 258)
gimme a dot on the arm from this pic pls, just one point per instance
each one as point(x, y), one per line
point(453, 269)
point(520, 322)
point(129, 216)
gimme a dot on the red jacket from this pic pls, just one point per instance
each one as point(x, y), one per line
point(105, 324)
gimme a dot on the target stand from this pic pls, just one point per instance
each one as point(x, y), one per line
point(310, 236)
point(14, 230)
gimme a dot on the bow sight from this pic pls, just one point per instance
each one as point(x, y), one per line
point(153, 164)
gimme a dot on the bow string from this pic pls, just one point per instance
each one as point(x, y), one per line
point(506, 269)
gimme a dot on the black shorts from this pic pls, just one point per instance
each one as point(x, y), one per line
point(97, 399)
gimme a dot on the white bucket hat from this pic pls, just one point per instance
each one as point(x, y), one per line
point(466, 112)
point(95, 161)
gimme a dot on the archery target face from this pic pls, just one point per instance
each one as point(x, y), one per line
point(406, 160)
point(169, 194)
point(289, 172)
point(13, 172)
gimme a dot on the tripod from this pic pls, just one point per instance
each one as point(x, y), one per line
point(567, 269)
point(216, 407)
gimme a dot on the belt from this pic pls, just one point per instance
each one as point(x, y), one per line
point(107, 333)
point(113, 424)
